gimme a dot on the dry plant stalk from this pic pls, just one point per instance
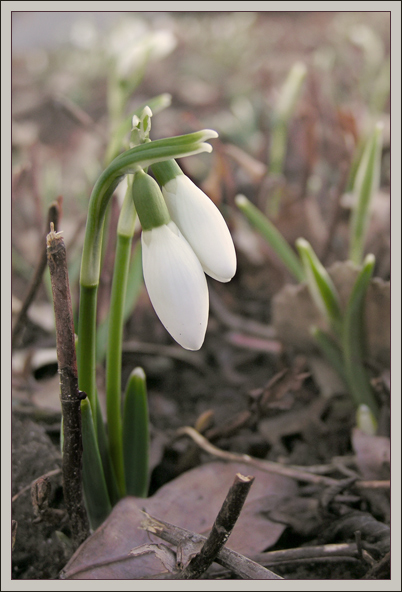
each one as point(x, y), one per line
point(242, 566)
point(221, 529)
point(70, 396)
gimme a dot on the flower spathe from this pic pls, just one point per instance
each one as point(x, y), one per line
point(176, 284)
point(202, 224)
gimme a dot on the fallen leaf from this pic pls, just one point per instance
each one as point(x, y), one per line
point(191, 501)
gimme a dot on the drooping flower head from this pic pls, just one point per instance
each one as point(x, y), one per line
point(184, 235)
point(173, 276)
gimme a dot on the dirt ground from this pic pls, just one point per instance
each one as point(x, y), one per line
point(250, 390)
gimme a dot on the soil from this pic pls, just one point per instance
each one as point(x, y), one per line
point(245, 391)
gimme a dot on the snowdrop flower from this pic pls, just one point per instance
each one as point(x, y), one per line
point(199, 220)
point(173, 275)
point(176, 284)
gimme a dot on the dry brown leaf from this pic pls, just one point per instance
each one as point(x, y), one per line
point(191, 501)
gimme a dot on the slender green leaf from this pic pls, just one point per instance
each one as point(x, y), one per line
point(321, 287)
point(136, 435)
point(108, 470)
point(95, 490)
point(366, 183)
point(353, 344)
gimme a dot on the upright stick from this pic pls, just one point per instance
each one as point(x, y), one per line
point(70, 396)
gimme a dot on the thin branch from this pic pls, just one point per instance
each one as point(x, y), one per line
point(221, 529)
point(239, 564)
point(52, 217)
point(70, 396)
point(263, 465)
point(300, 473)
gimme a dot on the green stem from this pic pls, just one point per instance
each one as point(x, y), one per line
point(113, 356)
point(86, 352)
point(125, 233)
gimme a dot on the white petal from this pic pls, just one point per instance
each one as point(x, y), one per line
point(203, 226)
point(176, 285)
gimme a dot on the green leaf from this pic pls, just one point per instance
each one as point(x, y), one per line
point(353, 340)
point(94, 484)
point(321, 287)
point(136, 435)
point(366, 183)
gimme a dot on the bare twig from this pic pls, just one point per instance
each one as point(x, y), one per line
point(304, 474)
point(70, 396)
point(239, 564)
point(379, 485)
point(263, 465)
point(221, 529)
point(343, 552)
point(317, 553)
point(52, 217)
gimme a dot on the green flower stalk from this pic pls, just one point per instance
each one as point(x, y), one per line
point(125, 232)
